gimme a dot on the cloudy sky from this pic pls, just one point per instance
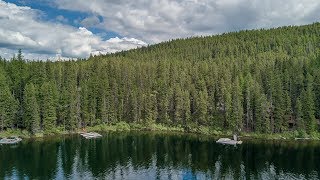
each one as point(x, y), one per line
point(75, 28)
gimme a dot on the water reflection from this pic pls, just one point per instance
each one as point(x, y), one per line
point(155, 156)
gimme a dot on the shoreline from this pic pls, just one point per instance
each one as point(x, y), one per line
point(159, 128)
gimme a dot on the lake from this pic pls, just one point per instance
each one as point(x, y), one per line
point(157, 156)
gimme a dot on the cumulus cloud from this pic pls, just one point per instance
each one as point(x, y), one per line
point(149, 21)
point(22, 27)
point(117, 44)
point(158, 20)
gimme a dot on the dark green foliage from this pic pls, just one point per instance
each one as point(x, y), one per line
point(48, 105)
point(236, 115)
point(8, 104)
point(308, 108)
point(31, 109)
point(265, 81)
point(278, 105)
point(299, 116)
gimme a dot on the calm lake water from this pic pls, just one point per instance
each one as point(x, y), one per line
point(155, 156)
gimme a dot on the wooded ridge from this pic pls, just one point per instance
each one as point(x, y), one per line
point(265, 81)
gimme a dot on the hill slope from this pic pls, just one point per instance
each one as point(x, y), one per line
point(265, 81)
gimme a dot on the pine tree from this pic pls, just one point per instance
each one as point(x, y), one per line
point(279, 105)
point(247, 98)
point(202, 107)
point(150, 108)
point(224, 101)
point(287, 110)
point(162, 92)
point(49, 116)
point(8, 108)
point(62, 109)
point(308, 108)
point(299, 116)
point(103, 112)
point(186, 106)
point(73, 119)
point(163, 106)
point(8, 104)
point(133, 107)
point(19, 56)
point(261, 111)
point(236, 115)
point(17, 72)
point(178, 105)
point(31, 109)
point(316, 85)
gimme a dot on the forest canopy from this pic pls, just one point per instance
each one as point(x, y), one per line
point(264, 81)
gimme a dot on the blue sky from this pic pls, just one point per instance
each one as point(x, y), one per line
point(72, 18)
point(77, 28)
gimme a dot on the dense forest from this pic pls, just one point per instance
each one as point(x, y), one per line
point(264, 81)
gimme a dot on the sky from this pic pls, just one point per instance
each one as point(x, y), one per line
point(51, 29)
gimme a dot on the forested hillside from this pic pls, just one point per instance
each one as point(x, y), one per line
point(265, 81)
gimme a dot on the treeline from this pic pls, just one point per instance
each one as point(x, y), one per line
point(265, 81)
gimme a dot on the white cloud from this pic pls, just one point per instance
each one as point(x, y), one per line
point(151, 21)
point(15, 38)
point(22, 28)
point(118, 44)
point(90, 21)
point(158, 20)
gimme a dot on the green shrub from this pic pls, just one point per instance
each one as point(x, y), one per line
point(122, 126)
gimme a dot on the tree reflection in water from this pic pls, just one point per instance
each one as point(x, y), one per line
point(157, 156)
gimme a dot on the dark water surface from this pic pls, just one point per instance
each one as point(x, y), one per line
point(155, 156)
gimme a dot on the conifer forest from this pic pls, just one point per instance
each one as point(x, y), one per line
point(255, 81)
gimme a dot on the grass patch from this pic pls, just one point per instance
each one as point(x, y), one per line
point(15, 132)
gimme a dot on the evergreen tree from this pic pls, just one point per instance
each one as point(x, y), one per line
point(150, 108)
point(261, 111)
point(316, 86)
point(186, 110)
point(103, 112)
point(236, 115)
point(133, 107)
point(17, 72)
point(201, 110)
point(163, 93)
point(287, 111)
point(299, 116)
point(48, 107)
point(308, 108)
point(31, 109)
point(8, 104)
point(247, 98)
point(178, 105)
point(279, 105)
